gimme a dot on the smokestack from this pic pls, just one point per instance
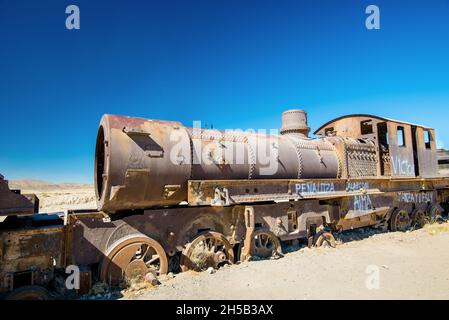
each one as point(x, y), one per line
point(295, 122)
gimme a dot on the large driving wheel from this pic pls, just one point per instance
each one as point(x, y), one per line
point(208, 249)
point(133, 256)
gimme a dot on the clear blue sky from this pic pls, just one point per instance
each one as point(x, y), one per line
point(233, 63)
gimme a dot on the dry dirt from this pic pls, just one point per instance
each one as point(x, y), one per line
point(58, 197)
point(60, 200)
point(411, 265)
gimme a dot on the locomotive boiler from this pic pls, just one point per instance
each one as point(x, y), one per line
point(143, 163)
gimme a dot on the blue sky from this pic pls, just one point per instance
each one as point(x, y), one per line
point(230, 63)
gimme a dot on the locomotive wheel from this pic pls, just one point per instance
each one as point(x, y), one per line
point(418, 218)
point(29, 293)
point(264, 244)
point(435, 212)
point(173, 263)
point(133, 256)
point(400, 220)
point(208, 249)
point(324, 239)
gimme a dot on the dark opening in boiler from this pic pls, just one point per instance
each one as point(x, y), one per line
point(99, 162)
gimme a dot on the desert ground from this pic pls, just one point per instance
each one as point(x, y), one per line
point(367, 264)
point(58, 197)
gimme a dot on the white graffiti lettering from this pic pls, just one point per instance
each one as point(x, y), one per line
point(402, 167)
point(355, 186)
point(362, 203)
point(421, 197)
point(314, 187)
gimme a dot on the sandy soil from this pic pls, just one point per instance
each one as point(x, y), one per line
point(412, 265)
point(57, 197)
point(58, 200)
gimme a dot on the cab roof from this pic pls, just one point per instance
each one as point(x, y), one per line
point(355, 115)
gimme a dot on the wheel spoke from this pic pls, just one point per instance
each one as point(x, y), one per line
point(264, 245)
point(259, 242)
point(214, 251)
point(154, 258)
point(143, 252)
point(267, 239)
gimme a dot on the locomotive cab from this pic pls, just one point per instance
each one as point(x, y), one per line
point(402, 149)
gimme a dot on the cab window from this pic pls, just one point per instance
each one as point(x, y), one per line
point(401, 136)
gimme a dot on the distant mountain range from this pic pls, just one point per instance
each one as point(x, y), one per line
point(41, 185)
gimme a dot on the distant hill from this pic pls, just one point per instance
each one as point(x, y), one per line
point(41, 185)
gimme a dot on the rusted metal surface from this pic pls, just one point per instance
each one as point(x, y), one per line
point(207, 249)
point(443, 161)
point(12, 202)
point(30, 249)
point(194, 210)
point(295, 121)
point(158, 215)
point(403, 149)
point(261, 244)
point(324, 239)
point(212, 193)
point(345, 204)
point(132, 256)
point(145, 163)
point(92, 234)
point(400, 220)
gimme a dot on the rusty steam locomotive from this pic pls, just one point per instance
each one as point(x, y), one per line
point(177, 198)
